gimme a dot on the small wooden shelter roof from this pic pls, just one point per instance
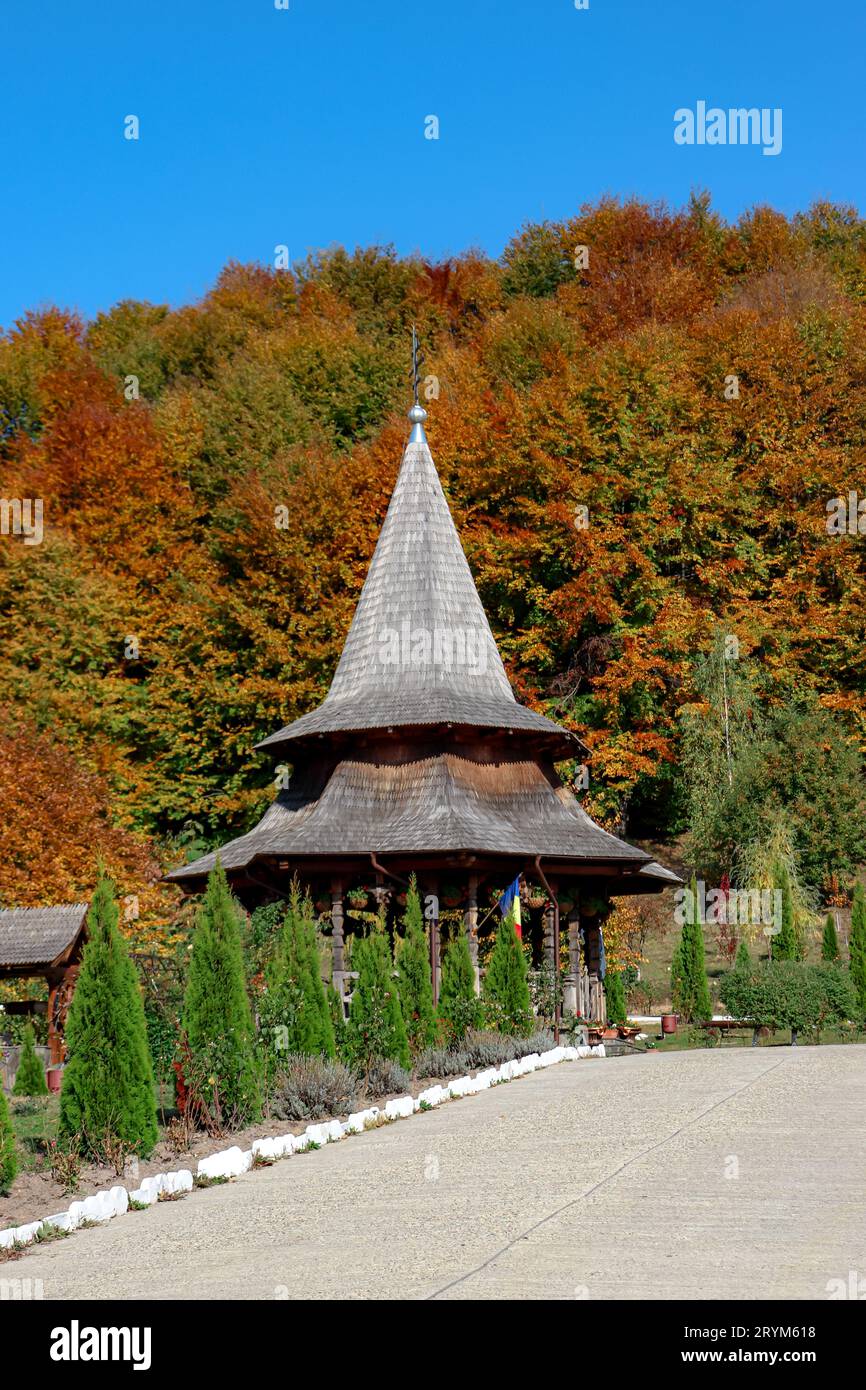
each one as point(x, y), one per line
point(38, 937)
point(442, 803)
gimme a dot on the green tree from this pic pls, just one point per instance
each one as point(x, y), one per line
point(505, 992)
point(217, 1019)
point(786, 946)
point(338, 1020)
point(614, 994)
point(108, 1089)
point(295, 1013)
point(690, 992)
point(8, 1150)
point(413, 975)
point(375, 1027)
point(857, 945)
point(830, 940)
point(459, 1005)
point(743, 959)
point(30, 1077)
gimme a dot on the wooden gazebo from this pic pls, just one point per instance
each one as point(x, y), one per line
point(420, 759)
point(44, 942)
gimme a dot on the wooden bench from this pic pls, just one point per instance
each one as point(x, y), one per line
point(718, 1028)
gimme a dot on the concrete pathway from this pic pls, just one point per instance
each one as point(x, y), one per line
point(731, 1174)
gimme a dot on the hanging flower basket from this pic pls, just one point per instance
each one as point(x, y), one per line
point(451, 894)
point(536, 899)
point(357, 897)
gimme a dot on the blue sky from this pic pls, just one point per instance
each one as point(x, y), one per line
point(305, 127)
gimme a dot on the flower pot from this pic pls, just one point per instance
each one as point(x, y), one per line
point(669, 1023)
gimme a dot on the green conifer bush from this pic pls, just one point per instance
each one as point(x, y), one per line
point(108, 1090)
point(30, 1077)
point(505, 992)
point(375, 1025)
point(857, 945)
point(8, 1150)
point(459, 1005)
point(217, 1019)
point(690, 992)
point(830, 940)
point(414, 978)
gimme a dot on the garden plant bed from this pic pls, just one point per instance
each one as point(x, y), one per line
point(35, 1193)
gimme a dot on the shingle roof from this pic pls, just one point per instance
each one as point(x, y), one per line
point(38, 935)
point(440, 803)
point(420, 650)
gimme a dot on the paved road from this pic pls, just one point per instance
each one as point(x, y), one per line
point(725, 1174)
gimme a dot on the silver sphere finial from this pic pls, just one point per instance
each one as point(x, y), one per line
point(417, 414)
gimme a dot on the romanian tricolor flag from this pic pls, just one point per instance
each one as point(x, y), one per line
point(510, 902)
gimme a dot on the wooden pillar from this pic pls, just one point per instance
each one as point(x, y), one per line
point(470, 919)
point(595, 989)
point(550, 942)
point(55, 1039)
point(571, 984)
point(337, 918)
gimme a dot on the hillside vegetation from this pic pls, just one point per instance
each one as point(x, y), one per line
point(166, 623)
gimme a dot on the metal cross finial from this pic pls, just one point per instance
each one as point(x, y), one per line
point(417, 363)
point(417, 413)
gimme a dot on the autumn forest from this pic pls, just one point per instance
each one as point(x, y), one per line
point(640, 417)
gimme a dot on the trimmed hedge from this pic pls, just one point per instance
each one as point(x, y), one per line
point(788, 994)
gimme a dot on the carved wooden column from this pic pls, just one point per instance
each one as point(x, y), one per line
point(470, 920)
point(595, 991)
point(551, 931)
point(570, 989)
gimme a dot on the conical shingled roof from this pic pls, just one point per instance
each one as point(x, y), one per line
point(420, 650)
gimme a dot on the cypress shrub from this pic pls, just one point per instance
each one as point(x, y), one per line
point(295, 1009)
point(786, 945)
point(614, 994)
point(506, 992)
point(857, 945)
point(30, 1077)
point(413, 975)
point(459, 1005)
point(8, 1151)
point(108, 1091)
point(743, 959)
point(217, 1019)
point(375, 1027)
point(338, 1020)
point(690, 993)
point(830, 941)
